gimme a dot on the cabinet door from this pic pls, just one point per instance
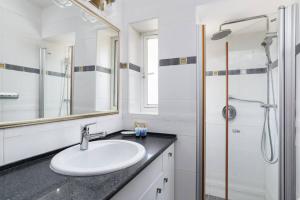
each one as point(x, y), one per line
point(155, 191)
point(137, 187)
point(168, 170)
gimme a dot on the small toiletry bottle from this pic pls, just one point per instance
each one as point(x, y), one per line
point(137, 131)
point(144, 132)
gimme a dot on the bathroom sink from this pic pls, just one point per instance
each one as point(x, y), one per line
point(101, 157)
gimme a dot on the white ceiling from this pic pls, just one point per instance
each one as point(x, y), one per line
point(215, 12)
point(42, 3)
point(63, 38)
point(146, 26)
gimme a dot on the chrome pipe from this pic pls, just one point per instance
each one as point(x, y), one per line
point(247, 19)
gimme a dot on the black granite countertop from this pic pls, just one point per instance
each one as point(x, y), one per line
point(34, 180)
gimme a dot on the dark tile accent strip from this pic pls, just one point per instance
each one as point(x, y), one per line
point(14, 67)
point(89, 68)
point(22, 69)
point(167, 62)
point(32, 70)
point(92, 68)
point(76, 69)
point(222, 73)
point(134, 67)
point(209, 73)
point(257, 71)
point(52, 73)
point(237, 72)
point(297, 49)
point(103, 69)
point(192, 60)
point(178, 61)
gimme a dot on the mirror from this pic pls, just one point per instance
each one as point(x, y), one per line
point(57, 61)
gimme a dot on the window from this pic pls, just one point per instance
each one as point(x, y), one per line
point(150, 80)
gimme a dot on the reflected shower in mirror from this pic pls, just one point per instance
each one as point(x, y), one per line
point(55, 61)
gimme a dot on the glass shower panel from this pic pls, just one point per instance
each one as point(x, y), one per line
point(253, 111)
point(215, 123)
point(58, 72)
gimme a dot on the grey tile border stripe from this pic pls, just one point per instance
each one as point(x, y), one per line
point(57, 74)
point(103, 69)
point(92, 68)
point(89, 68)
point(14, 67)
point(176, 61)
point(297, 49)
point(257, 71)
point(237, 72)
point(22, 69)
point(134, 67)
point(31, 70)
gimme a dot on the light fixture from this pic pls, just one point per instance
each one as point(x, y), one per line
point(102, 4)
point(62, 3)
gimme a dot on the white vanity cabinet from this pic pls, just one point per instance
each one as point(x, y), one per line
point(155, 182)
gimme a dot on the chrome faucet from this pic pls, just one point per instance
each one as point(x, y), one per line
point(86, 136)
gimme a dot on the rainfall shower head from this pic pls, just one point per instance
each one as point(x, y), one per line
point(221, 34)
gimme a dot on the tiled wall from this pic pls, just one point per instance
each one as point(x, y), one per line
point(24, 142)
point(1, 148)
point(177, 83)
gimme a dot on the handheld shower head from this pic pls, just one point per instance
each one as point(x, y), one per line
point(267, 41)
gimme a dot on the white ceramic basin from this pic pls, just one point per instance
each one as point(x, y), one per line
point(102, 157)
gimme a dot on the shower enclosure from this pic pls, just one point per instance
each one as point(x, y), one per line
point(56, 61)
point(246, 107)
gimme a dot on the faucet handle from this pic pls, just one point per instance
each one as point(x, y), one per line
point(86, 127)
point(102, 134)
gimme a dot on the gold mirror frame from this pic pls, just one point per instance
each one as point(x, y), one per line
point(94, 12)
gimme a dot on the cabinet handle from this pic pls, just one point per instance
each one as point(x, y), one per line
point(158, 190)
point(170, 154)
point(166, 180)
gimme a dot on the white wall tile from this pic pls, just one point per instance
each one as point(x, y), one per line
point(185, 185)
point(1, 147)
point(185, 157)
point(25, 142)
point(177, 82)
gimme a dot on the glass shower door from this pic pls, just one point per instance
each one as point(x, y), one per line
point(242, 142)
point(57, 64)
point(253, 154)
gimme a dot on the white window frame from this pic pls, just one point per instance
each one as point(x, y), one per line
point(145, 106)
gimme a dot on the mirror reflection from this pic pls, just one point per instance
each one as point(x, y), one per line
point(56, 60)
